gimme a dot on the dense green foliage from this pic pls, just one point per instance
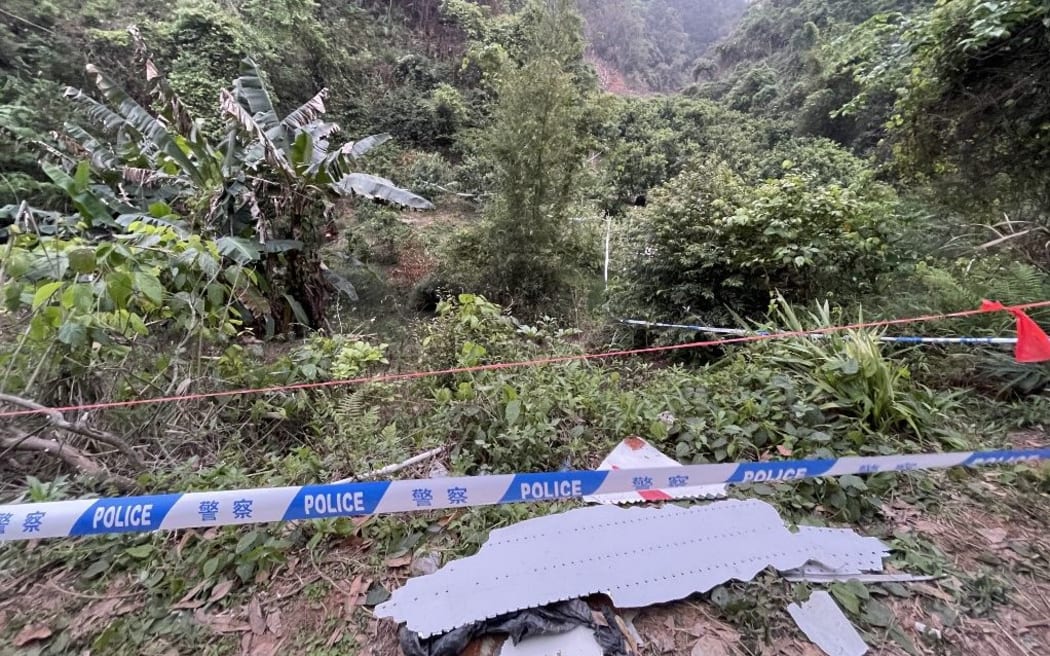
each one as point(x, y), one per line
point(976, 109)
point(707, 245)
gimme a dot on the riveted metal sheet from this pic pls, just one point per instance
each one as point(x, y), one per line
point(637, 556)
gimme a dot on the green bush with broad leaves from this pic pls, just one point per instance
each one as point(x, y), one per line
point(707, 246)
point(86, 303)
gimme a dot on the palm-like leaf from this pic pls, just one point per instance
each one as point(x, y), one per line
point(307, 113)
point(374, 187)
point(248, 123)
point(242, 251)
point(359, 148)
point(149, 178)
point(87, 203)
point(102, 157)
point(103, 116)
point(250, 91)
point(150, 128)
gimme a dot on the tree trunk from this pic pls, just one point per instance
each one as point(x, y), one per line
point(306, 285)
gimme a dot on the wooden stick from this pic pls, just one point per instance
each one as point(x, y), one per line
point(67, 454)
point(58, 421)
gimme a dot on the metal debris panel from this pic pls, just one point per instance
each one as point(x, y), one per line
point(578, 642)
point(636, 453)
point(824, 623)
point(638, 556)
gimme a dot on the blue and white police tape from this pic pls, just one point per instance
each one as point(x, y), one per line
point(58, 519)
point(906, 339)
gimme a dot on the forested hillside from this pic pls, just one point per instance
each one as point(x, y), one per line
point(656, 44)
point(264, 243)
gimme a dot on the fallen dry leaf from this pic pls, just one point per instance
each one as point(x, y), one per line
point(101, 613)
point(662, 641)
point(187, 601)
point(403, 561)
point(993, 535)
point(221, 623)
point(274, 623)
point(255, 617)
point(927, 527)
point(355, 597)
point(87, 619)
point(336, 636)
point(622, 626)
point(931, 591)
point(253, 645)
point(220, 591)
point(192, 604)
point(30, 633)
point(129, 606)
point(709, 645)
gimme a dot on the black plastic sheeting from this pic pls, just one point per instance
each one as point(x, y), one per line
point(557, 618)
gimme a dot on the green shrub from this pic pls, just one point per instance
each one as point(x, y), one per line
point(848, 374)
point(426, 173)
point(377, 234)
point(707, 246)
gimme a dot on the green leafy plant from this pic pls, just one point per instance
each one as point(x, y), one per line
point(262, 192)
point(705, 244)
point(850, 374)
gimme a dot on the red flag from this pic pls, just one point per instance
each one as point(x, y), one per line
point(1033, 345)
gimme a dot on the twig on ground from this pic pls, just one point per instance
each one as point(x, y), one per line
point(327, 579)
point(58, 421)
point(83, 595)
point(1013, 640)
point(294, 591)
point(391, 469)
point(69, 455)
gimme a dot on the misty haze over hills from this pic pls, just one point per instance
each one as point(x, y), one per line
point(655, 44)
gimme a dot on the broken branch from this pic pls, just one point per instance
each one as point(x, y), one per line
point(67, 454)
point(58, 421)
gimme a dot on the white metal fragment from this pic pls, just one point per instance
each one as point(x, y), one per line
point(926, 630)
point(824, 623)
point(638, 556)
point(859, 577)
point(864, 554)
point(578, 642)
point(636, 453)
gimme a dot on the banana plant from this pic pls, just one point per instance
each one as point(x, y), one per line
point(261, 191)
point(300, 144)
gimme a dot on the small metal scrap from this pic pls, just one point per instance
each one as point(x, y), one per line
point(824, 623)
point(578, 642)
point(638, 556)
